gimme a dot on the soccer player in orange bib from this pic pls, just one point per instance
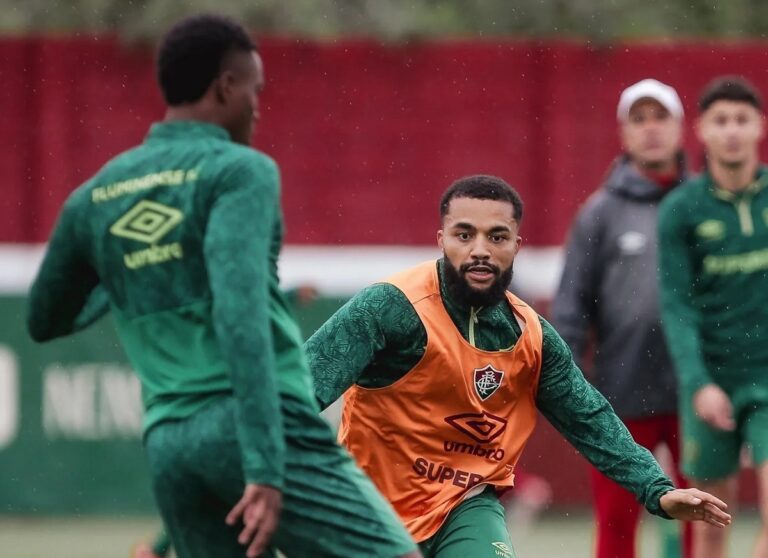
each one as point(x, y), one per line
point(443, 372)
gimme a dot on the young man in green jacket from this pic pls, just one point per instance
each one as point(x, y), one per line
point(181, 236)
point(713, 238)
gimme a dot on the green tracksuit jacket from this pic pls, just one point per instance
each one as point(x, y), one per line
point(180, 236)
point(713, 272)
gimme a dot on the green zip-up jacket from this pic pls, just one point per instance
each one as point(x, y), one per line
point(181, 236)
point(713, 273)
point(377, 337)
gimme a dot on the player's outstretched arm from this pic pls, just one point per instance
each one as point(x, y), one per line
point(59, 299)
point(692, 504)
point(584, 417)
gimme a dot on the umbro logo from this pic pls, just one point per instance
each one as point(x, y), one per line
point(503, 549)
point(147, 222)
point(483, 427)
point(712, 229)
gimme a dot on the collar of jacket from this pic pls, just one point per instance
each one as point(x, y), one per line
point(757, 185)
point(625, 180)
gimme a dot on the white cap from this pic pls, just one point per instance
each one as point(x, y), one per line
point(649, 89)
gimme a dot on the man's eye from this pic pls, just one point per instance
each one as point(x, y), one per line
point(463, 236)
point(497, 238)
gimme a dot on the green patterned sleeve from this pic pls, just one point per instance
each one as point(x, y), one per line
point(356, 337)
point(584, 417)
point(64, 297)
point(237, 243)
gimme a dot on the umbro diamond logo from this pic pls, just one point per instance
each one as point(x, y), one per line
point(147, 222)
point(483, 427)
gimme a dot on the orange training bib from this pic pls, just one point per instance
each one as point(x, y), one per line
point(457, 420)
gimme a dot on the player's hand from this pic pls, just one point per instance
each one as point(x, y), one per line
point(713, 407)
point(259, 509)
point(691, 504)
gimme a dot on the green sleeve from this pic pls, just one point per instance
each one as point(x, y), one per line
point(237, 243)
point(680, 320)
point(370, 329)
point(584, 417)
point(62, 299)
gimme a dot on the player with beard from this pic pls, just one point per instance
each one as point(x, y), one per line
point(443, 372)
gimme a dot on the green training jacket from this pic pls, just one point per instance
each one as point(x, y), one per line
point(181, 236)
point(713, 274)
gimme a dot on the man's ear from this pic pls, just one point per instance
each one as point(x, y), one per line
point(440, 239)
point(222, 86)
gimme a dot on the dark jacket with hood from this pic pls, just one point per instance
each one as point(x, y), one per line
point(609, 286)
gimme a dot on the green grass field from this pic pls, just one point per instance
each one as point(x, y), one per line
point(554, 536)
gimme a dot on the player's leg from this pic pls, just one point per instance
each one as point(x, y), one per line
point(761, 543)
point(710, 541)
point(197, 478)
point(144, 550)
point(476, 527)
point(330, 507)
point(672, 441)
point(616, 518)
point(756, 437)
point(617, 511)
point(159, 548)
point(710, 460)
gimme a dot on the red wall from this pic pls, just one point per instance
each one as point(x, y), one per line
point(367, 135)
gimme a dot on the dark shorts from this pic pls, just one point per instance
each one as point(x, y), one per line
point(330, 508)
point(476, 527)
point(710, 455)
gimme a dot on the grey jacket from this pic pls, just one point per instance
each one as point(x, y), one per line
point(609, 285)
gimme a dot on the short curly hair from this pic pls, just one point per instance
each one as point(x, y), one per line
point(482, 187)
point(192, 52)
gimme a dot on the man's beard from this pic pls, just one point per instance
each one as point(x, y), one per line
point(461, 292)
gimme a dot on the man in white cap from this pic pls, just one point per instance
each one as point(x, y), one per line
point(609, 287)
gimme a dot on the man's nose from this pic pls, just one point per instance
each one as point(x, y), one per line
point(480, 249)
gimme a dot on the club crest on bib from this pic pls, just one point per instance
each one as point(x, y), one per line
point(487, 381)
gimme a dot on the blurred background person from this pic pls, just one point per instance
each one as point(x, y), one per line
point(713, 234)
point(609, 287)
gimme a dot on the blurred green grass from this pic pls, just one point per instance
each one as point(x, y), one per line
point(556, 535)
